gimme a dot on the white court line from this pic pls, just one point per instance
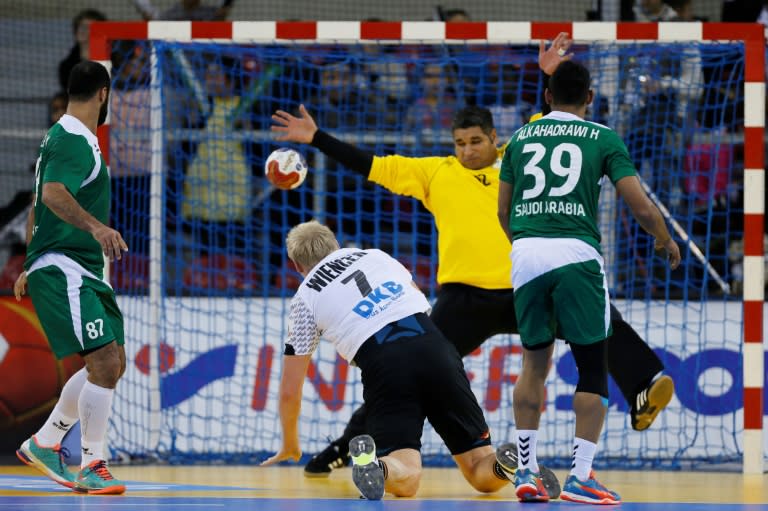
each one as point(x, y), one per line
point(102, 504)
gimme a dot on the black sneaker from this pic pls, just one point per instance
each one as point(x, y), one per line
point(336, 455)
point(650, 401)
point(367, 473)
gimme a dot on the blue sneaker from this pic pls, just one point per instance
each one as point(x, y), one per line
point(506, 456)
point(367, 474)
point(588, 492)
point(529, 486)
point(95, 479)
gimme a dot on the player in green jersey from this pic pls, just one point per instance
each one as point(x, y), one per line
point(551, 177)
point(67, 240)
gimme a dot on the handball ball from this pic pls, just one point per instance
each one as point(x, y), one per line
point(285, 168)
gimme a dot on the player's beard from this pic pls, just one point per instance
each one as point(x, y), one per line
point(103, 111)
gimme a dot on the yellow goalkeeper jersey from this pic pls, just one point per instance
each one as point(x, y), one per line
point(472, 247)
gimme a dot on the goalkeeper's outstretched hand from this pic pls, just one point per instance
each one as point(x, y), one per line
point(294, 129)
point(557, 53)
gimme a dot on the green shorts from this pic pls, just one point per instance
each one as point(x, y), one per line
point(569, 302)
point(78, 311)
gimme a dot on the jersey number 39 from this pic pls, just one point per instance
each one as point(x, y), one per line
point(572, 172)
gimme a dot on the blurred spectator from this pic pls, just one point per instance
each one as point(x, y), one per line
point(343, 100)
point(763, 17)
point(130, 111)
point(13, 216)
point(456, 16)
point(683, 9)
point(435, 108)
point(386, 77)
point(129, 142)
point(652, 11)
point(80, 51)
point(217, 187)
point(57, 106)
point(450, 15)
point(185, 10)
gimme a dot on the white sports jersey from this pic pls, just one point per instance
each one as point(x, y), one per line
point(349, 296)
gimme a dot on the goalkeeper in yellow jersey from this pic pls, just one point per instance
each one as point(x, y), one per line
point(475, 300)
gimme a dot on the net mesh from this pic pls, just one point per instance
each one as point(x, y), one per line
point(219, 313)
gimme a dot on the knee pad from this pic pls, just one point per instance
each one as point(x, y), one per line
point(592, 364)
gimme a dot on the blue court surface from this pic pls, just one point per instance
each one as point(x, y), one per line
point(23, 492)
point(135, 503)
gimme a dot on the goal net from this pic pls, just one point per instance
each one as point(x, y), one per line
point(205, 286)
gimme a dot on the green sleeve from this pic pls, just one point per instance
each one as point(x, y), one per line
point(618, 164)
point(70, 161)
point(506, 173)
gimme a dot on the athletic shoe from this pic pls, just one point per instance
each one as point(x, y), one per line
point(506, 455)
point(588, 492)
point(650, 401)
point(335, 455)
point(95, 479)
point(367, 474)
point(47, 460)
point(529, 487)
point(550, 481)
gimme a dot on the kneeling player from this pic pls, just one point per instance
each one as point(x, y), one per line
point(364, 301)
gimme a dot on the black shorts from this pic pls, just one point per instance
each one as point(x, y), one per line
point(469, 315)
point(410, 373)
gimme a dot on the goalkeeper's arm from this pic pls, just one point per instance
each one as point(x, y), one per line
point(303, 130)
point(348, 155)
point(549, 59)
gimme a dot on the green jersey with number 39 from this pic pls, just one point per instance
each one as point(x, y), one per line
point(556, 167)
point(69, 154)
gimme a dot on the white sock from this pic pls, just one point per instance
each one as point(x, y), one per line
point(95, 406)
point(583, 454)
point(526, 449)
point(64, 414)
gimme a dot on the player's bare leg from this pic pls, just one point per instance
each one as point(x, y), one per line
point(479, 467)
point(403, 472)
point(528, 399)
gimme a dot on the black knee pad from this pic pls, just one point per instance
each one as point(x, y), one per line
point(591, 361)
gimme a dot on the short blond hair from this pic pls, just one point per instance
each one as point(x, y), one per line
point(308, 243)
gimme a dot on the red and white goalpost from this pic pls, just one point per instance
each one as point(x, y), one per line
point(265, 32)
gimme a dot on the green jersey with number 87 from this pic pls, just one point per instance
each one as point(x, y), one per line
point(556, 167)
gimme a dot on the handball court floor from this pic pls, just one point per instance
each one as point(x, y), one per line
point(246, 488)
